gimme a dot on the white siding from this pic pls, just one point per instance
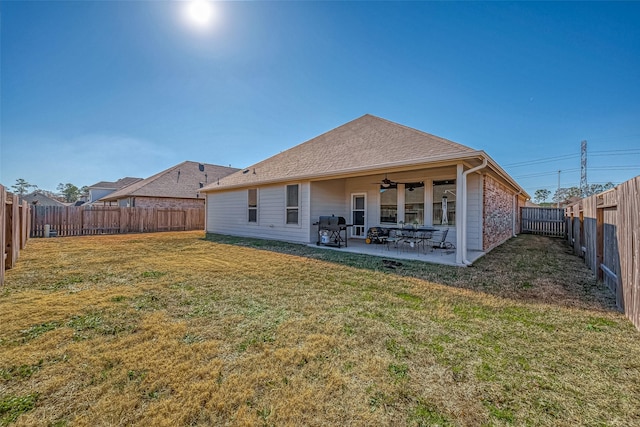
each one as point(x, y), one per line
point(474, 212)
point(227, 213)
point(327, 198)
point(95, 194)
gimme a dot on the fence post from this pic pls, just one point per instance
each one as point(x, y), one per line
point(12, 222)
point(599, 242)
point(3, 204)
point(24, 224)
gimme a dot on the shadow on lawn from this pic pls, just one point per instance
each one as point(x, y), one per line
point(527, 268)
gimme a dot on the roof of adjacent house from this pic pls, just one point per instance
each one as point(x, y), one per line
point(180, 181)
point(39, 199)
point(121, 183)
point(367, 143)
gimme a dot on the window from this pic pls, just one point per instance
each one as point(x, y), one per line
point(293, 205)
point(389, 204)
point(414, 203)
point(444, 202)
point(253, 204)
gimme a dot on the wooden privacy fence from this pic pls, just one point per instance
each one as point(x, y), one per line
point(544, 221)
point(14, 229)
point(605, 229)
point(86, 220)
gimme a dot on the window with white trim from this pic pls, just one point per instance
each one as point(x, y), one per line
point(252, 204)
point(293, 204)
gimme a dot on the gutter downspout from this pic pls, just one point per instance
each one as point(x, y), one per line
point(464, 209)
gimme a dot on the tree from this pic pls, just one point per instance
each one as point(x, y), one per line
point(70, 192)
point(22, 187)
point(597, 188)
point(562, 195)
point(541, 195)
point(84, 192)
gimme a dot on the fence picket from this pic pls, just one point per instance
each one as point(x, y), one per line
point(90, 220)
point(614, 246)
point(544, 221)
point(14, 229)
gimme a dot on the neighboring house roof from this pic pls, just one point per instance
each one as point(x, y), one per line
point(40, 199)
point(366, 144)
point(122, 182)
point(180, 181)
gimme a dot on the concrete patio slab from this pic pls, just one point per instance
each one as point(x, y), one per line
point(435, 256)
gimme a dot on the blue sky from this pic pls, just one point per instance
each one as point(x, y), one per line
point(100, 90)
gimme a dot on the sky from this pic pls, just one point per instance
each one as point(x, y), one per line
point(95, 91)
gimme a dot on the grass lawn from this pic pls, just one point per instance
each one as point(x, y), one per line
point(174, 329)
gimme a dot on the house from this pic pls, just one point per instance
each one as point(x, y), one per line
point(176, 187)
point(37, 198)
point(373, 172)
point(104, 188)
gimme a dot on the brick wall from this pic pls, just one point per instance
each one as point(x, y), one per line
point(166, 202)
point(498, 213)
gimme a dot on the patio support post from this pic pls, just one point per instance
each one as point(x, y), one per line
point(401, 202)
point(460, 207)
point(428, 201)
point(463, 248)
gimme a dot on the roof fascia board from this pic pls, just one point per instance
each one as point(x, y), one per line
point(438, 161)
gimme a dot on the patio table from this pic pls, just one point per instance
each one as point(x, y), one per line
point(414, 236)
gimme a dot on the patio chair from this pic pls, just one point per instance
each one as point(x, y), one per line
point(411, 238)
point(438, 240)
point(394, 238)
point(422, 237)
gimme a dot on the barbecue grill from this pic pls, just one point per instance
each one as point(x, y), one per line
point(330, 230)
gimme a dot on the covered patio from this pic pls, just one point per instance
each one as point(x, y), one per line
point(372, 173)
point(437, 256)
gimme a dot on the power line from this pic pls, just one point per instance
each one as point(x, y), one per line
point(616, 152)
point(570, 156)
point(628, 153)
point(531, 162)
point(546, 173)
point(617, 168)
point(592, 168)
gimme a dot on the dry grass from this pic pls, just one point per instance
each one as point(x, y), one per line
point(172, 329)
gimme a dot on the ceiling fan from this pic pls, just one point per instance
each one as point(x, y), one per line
point(386, 182)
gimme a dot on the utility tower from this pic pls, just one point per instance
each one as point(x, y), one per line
point(583, 168)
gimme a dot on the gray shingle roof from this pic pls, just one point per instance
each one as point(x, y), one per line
point(121, 183)
point(180, 181)
point(40, 199)
point(367, 142)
